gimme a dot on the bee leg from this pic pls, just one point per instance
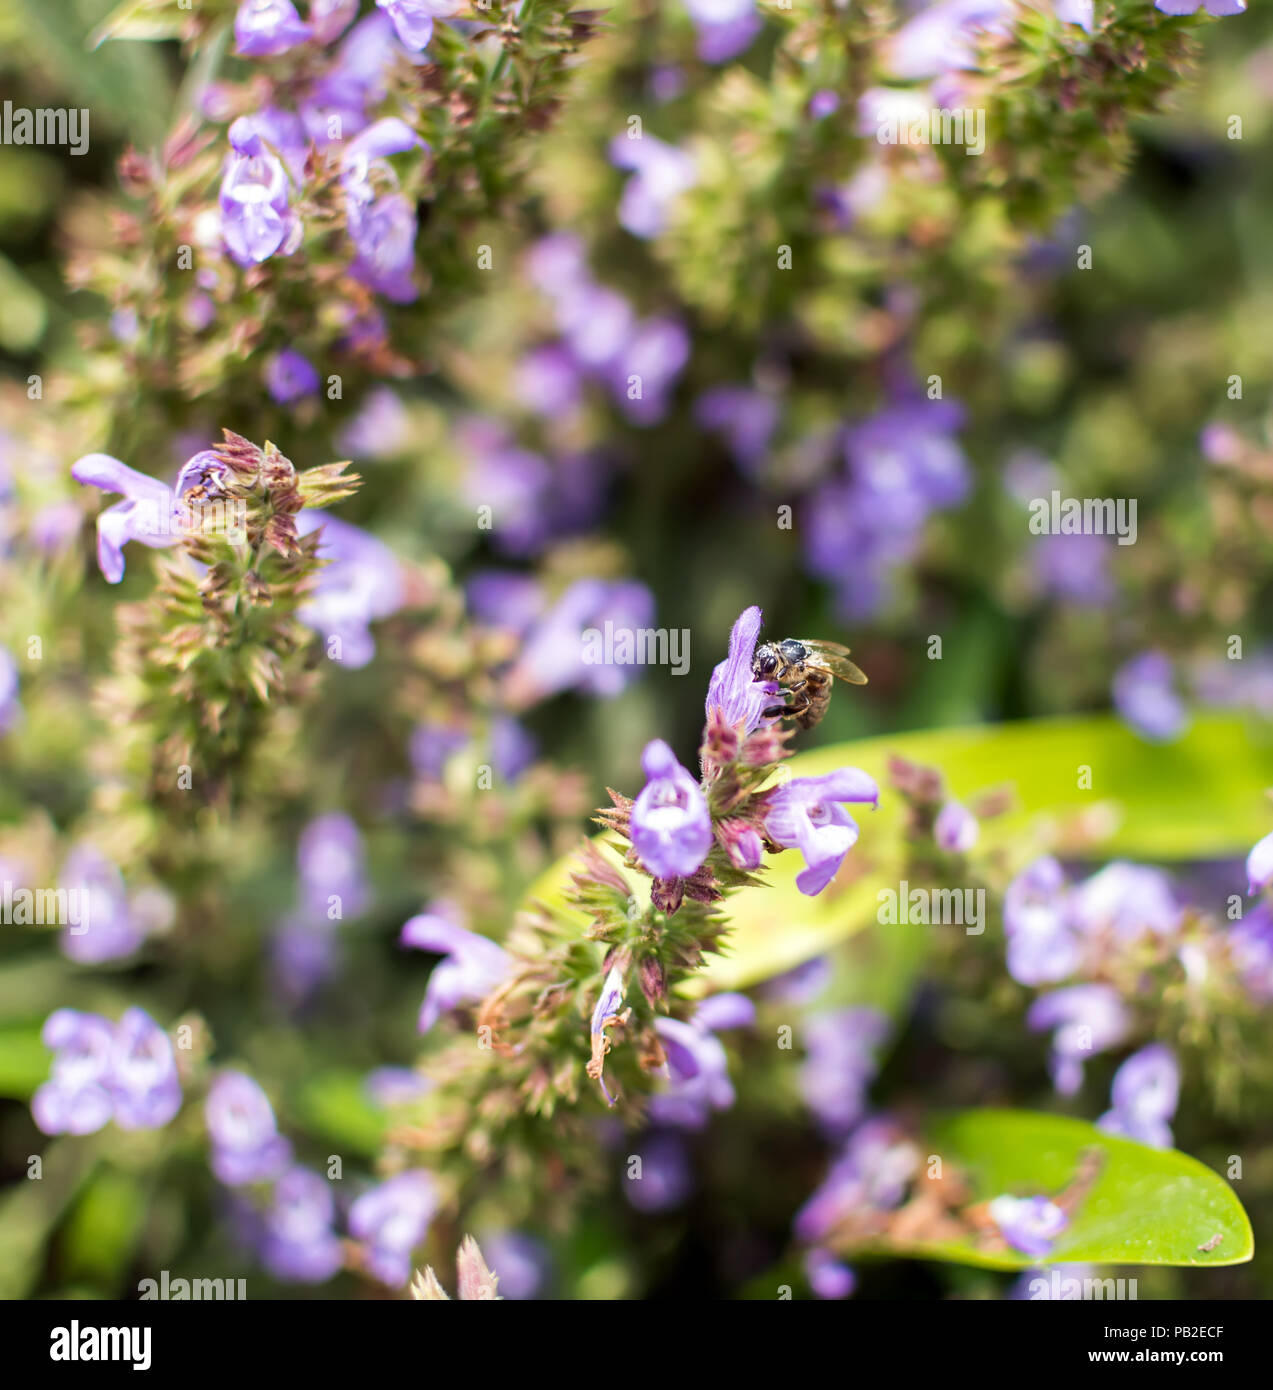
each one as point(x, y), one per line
point(791, 711)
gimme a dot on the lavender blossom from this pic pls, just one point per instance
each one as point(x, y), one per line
point(513, 748)
point(246, 1144)
point(361, 583)
point(807, 813)
point(839, 1064)
point(144, 1085)
point(741, 699)
point(413, 19)
point(296, 1239)
point(671, 825)
point(392, 1219)
point(382, 226)
point(1143, 1097)
point(265, 28)
point(1086, 1019)
point(1259, 865)
point(289, 377)
point(956, 828)
point(145, 515)
point(1145, 697)
point(1028, 1224)
point(76, 1099)
point(522, 1261)
point(470, 968)
point(943, 37)
point(697, 1068)
point(256, 215)
point(330, 18)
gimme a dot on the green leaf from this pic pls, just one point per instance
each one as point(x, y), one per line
point(31, 1208)
point(24, 1062)
point(335, 1106)
point(1202, 796)
point(103, 1228)
point(1145, 1207)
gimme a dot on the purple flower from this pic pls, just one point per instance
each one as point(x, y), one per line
point(1086, 1019)
point(643, 371)
point(390, 1086)
point(144, 515)
point(1144, 696)
point(330, 859)
point(725, 27)
point(660, 174)
point(607, 1010)
point(108, 928)
point(548, 381)
point(1143, 1097)
point(360, 584)
point(296, 1239)
point(431, 747)
point(246, 1144)
point(330, 18)
point(381, 428)
point(470, 968)
point(413, 19)
point(823, 103)
point(745, 418)
point(956, 828)
point(522, 1262)
point(839, 1063)
point(10, 709)
point(873, 1170)
point(555, 654)
point(943, 37)
point(1028, 1224)
point(666, 1181)
point(1075, 568)
point(1125, 900)
point(1251, 946)
point(263, 28)
point(807, 813)
point(671, 825)
point(697, 1068)
point(827, 1276)
point(733, 689)
point(1259, 865)
point(392, 1219)
point(1042, 945)
point(1216, 8)
point(513, 748)
point(256, 216)
point(355, 81)
point(289, 377)
point(76, 1099)
point(143, 1081)
point(516, 484)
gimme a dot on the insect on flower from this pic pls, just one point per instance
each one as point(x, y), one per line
point(805, 668)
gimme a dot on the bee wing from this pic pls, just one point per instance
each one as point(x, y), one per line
point(835, 658)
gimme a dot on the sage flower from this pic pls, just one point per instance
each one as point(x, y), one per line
point(246, 1144)
point(671, 825)
point(392, 1219)
point(1259, 865)
point(1143, 1097)
point(265, 28)
point(1028, 1224)
point(807, 813)
point(470, 968)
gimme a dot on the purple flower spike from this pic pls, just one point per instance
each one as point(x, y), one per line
point(1086, 1019)
point(732, 689)
point(289, 377)
point(76, 1098)
point(393, 1219)
point(246, 1144)
point(1028, 1224)
point(806, 813)
point(143, 1081)
point(264, 28)
point(472, 965)
point(956, 828)
point(671, 825)
point(1144, 1096)
point(297, 1242)
point(1259, 865)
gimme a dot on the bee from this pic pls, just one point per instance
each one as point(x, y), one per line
point(805, 670)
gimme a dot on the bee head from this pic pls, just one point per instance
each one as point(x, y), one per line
point(765, 662)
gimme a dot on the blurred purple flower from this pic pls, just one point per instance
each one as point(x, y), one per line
point(1216, 8)
point(289, 377)
point(256, 215)
point(1085, 1019)
point(956, 828)
point(823, 103)
point(108, 929)
point(697, 1068)
point(1124, 900)
point(76, 1099)
point(744, 417)
point(827, 1276)
point(144, 1085)
point(660, 174)
point(471, 965)
point(361, 583)
point(431, 747)
point(10, 709)
point(264, 28)
point(296, 1239)
point(1041, 942)
point(1145, 697)
point(548, 381)
point(246, 1144)
point(380, 429)
point(145, 515)
point(392, 1219)
point(671, 825)
point(513, 748)
point(1028, 1224)
point(1074, 568)
point(1251, 947)
point(807, 813)
point(330, 18)
point(390, 1086)
point(1259, 865)
point(1143, 1097)
point(873, 1170)
point(943, 37)
point(725, 27)
point(666, 1180)
point(839, 1064)
point(643, 371)
point(330, 860)
point(521, 1261)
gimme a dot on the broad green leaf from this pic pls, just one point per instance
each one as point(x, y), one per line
point(1146, 1206)
point(1202, 796)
